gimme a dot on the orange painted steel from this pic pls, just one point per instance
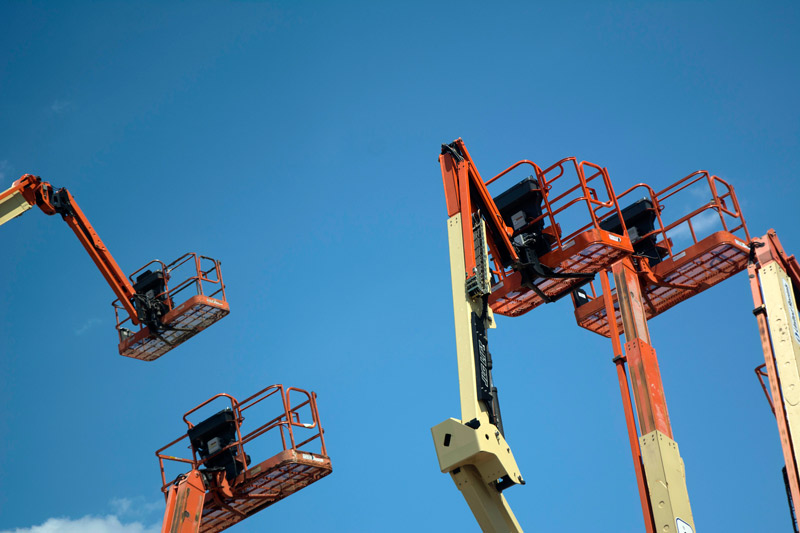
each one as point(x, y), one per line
point(685, 271)
point(768, 249)
point(630, 301)
point(630, 423)
point(647, 388)
point(195, 303)
point(645, 376)
point(466, 193)
point(185, 500)
point(583, 251)
point(592, 249)
point(761, 373)
point(41, 194)
point(301, 461)
point(183, 319)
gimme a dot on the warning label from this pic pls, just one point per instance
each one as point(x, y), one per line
point(791, 310)
point(683, 527)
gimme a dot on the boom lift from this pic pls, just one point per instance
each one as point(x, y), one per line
point(671, 274)
point(656, 277)
point(507, 256)
point(775, 285)
point(222, 488)
point(660, 275)
point(165, 316)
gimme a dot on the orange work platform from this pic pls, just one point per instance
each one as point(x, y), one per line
point(165, 317)
point(566, 189)
point(588, 253)
point(190, 306)
point(275, 479)
point(235, 489)
point(670, 274)
point(540, 245)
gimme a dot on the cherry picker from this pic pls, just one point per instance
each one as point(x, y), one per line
point(222, 486)
point(508, 256)
point(153, 316)
point(775, 284)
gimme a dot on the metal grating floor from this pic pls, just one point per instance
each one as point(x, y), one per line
point(188, 319)
point(512, 299)
point(268, 483)
point(697, 268)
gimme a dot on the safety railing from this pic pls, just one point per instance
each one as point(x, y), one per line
point(204, 276)
point(586, 194)
point(724, 208)
point(289, 417)
point(575, 198)
point(730, 216)
point(692, 249)
point(559, 195)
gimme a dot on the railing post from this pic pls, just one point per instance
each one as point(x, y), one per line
point(288, 408)
point(199, 274)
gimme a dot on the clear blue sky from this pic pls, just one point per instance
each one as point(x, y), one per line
point(298, 143)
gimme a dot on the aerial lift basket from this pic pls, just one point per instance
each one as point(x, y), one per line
point(671, 272)
point(165, 316)
point(235, 488)
point(192, 304)
point(566, 191)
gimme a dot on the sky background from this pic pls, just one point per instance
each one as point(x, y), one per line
point(297, 142)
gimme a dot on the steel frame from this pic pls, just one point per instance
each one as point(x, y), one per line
point(586, 250)
point(195, 303)
point(181, 322)
point(485, 274)
point(708, 260)
point(775, 283)
point(260, 485)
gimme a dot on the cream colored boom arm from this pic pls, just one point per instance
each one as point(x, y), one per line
point(775, 284)
point(12, 204)
point(473, 450)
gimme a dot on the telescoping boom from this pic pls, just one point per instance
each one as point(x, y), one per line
point(165, 316)
point(509, 254)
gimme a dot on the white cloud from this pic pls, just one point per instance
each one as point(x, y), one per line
point(61, 106)
point(701, 191)
point(137, 507)
point(4, 168)
point(122, 506)
point(87, 524)
point(702, 223)
point(89, 324)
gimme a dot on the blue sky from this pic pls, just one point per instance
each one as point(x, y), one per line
point(298, 143)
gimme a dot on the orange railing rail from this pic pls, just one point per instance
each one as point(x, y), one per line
point(206, 279)
point(288, 418)
point(718, 204)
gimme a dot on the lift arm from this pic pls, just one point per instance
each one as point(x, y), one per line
point(658, 465)
point(185, 499)
point(473, 450)
point(466, 194)
point(30, 190)
point(775, 285)
point(166, 316)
